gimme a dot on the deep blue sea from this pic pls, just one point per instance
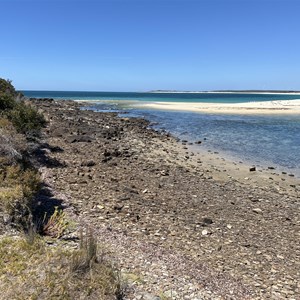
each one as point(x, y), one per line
point(262, 140)
point(163, 97)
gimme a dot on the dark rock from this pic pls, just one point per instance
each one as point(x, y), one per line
point(79, 139)
point(118, 207)
point(124, 198)
point(252, 169)
point(88, 163)
point(207, 221)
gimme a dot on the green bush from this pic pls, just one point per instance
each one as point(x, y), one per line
point(7, 95)
point(25, 118)
point(7, 102)
point(7, 88)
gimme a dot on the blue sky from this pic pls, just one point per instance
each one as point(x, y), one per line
point(140, 45)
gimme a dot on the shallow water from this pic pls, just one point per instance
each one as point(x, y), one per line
point(265, 140)
point(261, 140)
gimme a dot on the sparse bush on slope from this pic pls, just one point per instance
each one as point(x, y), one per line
point(30, 268)
point(24, 117)
point(18, 182)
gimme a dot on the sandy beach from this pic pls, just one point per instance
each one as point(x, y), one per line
point(266, 107)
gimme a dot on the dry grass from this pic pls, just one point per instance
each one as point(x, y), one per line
point(56, 225)
point(37, 271)
point(5, 123)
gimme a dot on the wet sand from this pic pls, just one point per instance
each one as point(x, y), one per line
point(265, 107)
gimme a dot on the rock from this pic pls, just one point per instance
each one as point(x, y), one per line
point(198, 142)
point(204, 232)
point(252, 169)
point(118, 207)
point(79, 139)
point(170, 294)
point(124, 198)
point(88, 163)
point(257, 210)
point(207, 221)
point(58, 132)
point(147, 296)
point(164, 173)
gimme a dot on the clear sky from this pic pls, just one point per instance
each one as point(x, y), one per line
point(140, 45)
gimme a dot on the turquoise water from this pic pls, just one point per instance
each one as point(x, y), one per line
point(164, 97)
point(268, 140)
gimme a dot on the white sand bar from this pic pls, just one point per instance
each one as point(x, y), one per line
point(265, 107)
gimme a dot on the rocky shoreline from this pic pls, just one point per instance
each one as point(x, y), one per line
point(175, 228)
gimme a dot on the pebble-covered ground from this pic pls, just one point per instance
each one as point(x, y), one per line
point(176, 231)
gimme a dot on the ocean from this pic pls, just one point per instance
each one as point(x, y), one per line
point(162, 97)
point(261, 140)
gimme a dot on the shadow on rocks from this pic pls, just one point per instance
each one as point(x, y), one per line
point(42, 157)
point(44, 206)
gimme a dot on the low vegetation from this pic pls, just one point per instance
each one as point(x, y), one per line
point(35, 262)
point(19, 182)
point(17, 189)
point(38, 271)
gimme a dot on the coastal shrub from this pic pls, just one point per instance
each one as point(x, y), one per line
point(29, 179)
point(7, 95)
point(17, 190)
point(26, 118)
point(23, 117)
point(7, 102)
point(10, 197)
point(6, 87)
